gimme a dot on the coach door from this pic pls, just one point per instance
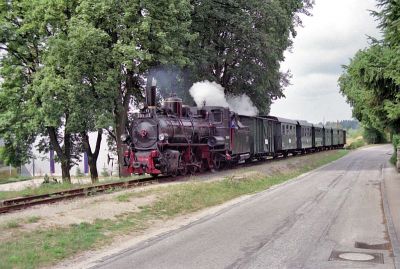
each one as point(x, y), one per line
point(268, 136)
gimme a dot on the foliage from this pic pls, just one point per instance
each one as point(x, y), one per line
point(73, 66)
point(34, 100)
point(346, 124)
point(371, 82)
point(396, 144)
point(373, 136)
point(356, 144)
point(78, 172)
point(355, 133)
point(105, 172)
point(6, 178)
point(240, 45)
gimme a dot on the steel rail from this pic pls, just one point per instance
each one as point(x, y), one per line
point(28, 201)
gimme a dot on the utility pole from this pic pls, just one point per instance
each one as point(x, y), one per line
point(33, 166)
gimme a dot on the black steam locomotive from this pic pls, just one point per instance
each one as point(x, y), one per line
point(174, 139)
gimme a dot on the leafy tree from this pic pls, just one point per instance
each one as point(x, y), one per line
point(140, 35)
point(373, 136)
point(34, 98)
point(371, 82)
point(241, 43)
point(19, 60)
point(75, 59)
point(74, 66)
point(371, 88)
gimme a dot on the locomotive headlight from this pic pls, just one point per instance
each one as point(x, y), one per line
point(142, 106)
point(124, 137)
point(163, 136)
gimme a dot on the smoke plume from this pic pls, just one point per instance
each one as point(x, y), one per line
point(213, 95)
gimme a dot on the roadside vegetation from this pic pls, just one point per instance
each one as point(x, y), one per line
point(396, 144)
point(355, 138)
point(4, 179)
point(371, 80)
point(48, 246)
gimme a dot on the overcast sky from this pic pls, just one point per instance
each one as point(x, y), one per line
point(328, 40)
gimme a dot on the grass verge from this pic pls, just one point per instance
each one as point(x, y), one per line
point(45, 247)
point(356, 144)
point(14, 179)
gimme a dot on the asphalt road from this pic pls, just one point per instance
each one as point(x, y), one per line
point(307, 223)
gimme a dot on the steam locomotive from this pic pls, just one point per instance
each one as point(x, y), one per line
point(175, 139)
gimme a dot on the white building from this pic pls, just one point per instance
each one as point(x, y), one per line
point(41, 163)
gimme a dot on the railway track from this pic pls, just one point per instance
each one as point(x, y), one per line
point(25, 202)
point(14, 204)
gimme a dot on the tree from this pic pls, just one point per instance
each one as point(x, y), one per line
point(78, 65)
point(19, 60)
point(371, 89)
point(76, 59)
point(241, 43)
point(371, 82)
point(141, 35)
point(33, 91)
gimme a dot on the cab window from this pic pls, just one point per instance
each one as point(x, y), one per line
point(217, 114)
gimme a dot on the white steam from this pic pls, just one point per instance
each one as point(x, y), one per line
point(213, 95)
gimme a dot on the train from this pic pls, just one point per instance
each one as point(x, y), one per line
point(175, 139)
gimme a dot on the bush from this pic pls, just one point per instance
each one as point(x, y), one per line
point(105, 173)
point(356, 144)
point(373, 136)
point(79, 172)
point(396, 144)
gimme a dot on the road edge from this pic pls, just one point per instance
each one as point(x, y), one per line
point(195, 219)
point(389, 223)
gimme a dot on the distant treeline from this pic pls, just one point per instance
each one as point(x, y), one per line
point(345, 124)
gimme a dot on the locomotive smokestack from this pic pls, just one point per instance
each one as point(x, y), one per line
point(151, 94)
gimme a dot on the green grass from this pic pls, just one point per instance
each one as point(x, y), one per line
point(33, 219)
point(5, 173)
point(356, 144)
point(14, 179)
point(127, 196)
point(12, 225)
point(45, 247)
point(42, 189)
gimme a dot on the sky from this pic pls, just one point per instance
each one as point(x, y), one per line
point(328, 39)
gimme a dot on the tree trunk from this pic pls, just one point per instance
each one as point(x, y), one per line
point(63, 154)
point(92, 156)
point(121, 115)
point(94, 176)
point(65, 172)
point(120, 149)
